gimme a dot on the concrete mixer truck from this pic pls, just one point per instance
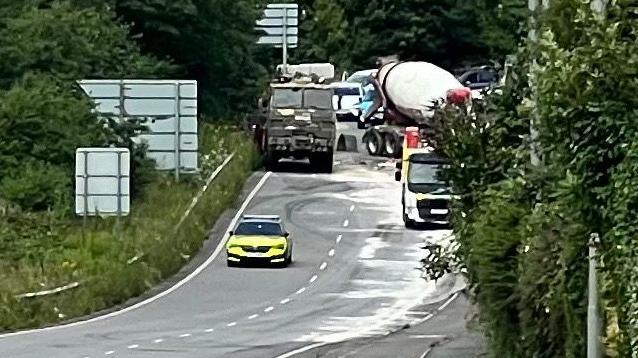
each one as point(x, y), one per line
point(406, 94)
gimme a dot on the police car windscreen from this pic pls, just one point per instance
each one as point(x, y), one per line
point(259, 228)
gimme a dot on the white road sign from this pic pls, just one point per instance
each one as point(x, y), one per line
point(279, 24)
point(102, 181)
point(169, 109)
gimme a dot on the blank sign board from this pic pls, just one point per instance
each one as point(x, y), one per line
point(102, 181)
point(168, 108)
point(277, 20)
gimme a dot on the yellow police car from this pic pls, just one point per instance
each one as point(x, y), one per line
point(259, 239)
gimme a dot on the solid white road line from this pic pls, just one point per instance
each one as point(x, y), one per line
point(450, 300)
point(302, 349)
point(170, 290)
point(425, 354)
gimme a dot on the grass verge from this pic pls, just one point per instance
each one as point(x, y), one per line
point(111, 262)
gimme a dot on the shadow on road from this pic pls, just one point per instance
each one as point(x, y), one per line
point(294, 166)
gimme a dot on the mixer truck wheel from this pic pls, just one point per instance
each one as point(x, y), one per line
point(374, 142)
point(392, 147)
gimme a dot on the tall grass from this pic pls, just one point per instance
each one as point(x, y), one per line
point(115, 262)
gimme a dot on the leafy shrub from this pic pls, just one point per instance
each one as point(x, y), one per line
point(582, 93)
point(36, 186)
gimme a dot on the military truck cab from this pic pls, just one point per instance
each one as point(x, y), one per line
point(301, 123)
point(425, 196)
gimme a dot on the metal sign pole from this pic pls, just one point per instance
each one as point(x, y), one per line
point(85, 198)
point(285, 42)
point(119, 194)
point(177, 134)
point(593, 314)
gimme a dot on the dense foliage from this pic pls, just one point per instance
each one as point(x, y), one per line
point(449, 33)
point(524, 229)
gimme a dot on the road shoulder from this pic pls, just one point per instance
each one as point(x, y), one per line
point(445, 334)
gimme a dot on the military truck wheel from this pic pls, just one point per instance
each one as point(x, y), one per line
point(270, 160)
point(327, 163)
point(322, 162)
point(373, 142)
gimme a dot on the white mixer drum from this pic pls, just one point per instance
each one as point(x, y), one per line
point(414, 87)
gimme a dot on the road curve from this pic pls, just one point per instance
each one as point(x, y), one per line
point(354, 275)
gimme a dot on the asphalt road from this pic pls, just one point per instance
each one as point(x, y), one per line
point(355, 275)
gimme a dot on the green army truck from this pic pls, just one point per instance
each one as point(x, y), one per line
point(299, 122)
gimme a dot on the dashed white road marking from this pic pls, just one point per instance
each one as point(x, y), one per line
point(323, 266)
point(331, 252)
point(253, 316)
point(300, 291)
point(339, 238)
point(209, 330)
point(231, 324)
point(352, 208)
point(159, 340)
point(284, 301)
point(427, 336)
point(109, 353)
point(133, 346)
point(346, 223)
point(314, 278)
point(269, 309)
point(185, 335)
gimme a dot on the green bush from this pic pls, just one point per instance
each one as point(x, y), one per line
point(34, 145)
point(37, 186)
point(583, 95)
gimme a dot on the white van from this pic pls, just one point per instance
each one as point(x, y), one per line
point(346, 99)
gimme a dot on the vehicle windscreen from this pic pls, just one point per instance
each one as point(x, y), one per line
point(317, 99)
point(426, 178)
point(370, 95)
point(259, 228)
point(347, 91)
point(287, 98)
point(424, 173)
